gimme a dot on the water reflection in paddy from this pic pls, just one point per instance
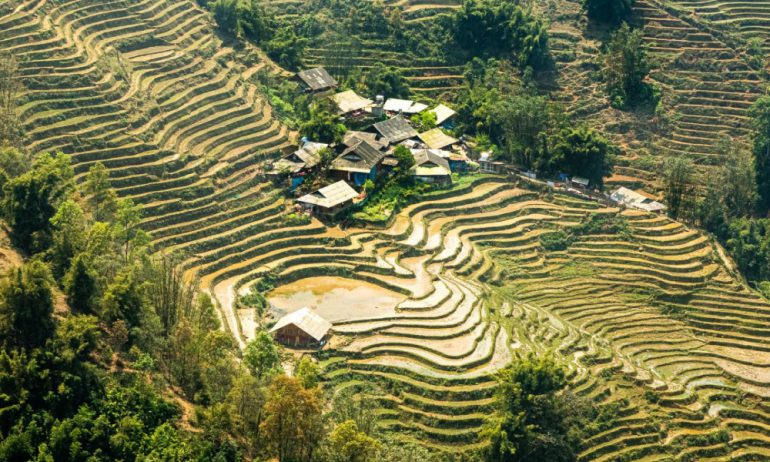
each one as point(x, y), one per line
point(335, 298)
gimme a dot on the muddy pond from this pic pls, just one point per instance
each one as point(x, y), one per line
point(335, 298)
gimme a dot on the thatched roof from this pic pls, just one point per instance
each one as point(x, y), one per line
point(350, 101)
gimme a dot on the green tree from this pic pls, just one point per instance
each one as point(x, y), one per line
point(346, 444)
point(532, 419)
point(69, 234)
point(226, 15)
point(737, 180)
point(678, 187)
point(262, 356)
point(255, 22)
point(424, 121)
point(610, 11)
point(521, 123)
point(129, 237)
point(323, 125)
point(711, 209)
point(245, 403)
point(584, 152)
point(80, 285)
point(286, 47)
point(760, 116)
point(293, 424)
point(26, 306)
point(124, 299)
point(404, 158)
point(100, 197)
point(195, 346)
point(501, 28)
point(385, 80)
point(31, 200)
point(625, 67)
point(12, 164)
point(308, 372)
point(748, 241)
point(169, 292)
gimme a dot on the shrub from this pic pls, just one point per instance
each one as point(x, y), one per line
point(556, 241)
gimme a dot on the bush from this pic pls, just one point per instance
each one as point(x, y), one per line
point(556, 241)
point(610, 11)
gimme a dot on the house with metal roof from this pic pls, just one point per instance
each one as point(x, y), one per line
point(316, 80)
point(359, 161)
point(297, 164)
point(403, 106)
point(636, 200)
point(443, 114)
point(329, 200)
point(437, 139)
point(301, 328)
point(395, 130)
point(430, 167)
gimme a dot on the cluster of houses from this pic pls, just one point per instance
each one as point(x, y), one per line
point(367, 154)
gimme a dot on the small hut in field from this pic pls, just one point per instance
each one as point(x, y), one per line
point(303, 328)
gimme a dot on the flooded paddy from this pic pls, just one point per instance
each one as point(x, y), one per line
point(335, 298)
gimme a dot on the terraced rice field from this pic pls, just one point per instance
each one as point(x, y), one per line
point(707, 86)
point(147, 89)
point(651, 310)
point(746, 19)
point(429, 77)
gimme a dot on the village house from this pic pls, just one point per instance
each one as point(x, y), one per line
point(329, 200)
point(303, 328)
point(580, 182)
point(397, 106)
point(298, 164)
point(637, 200)
point(316, 80)
point(395, 130)
point(443, 115)
point(350, 103)
point(457, 161)
point(359, 162)
point(437, 139)
point(429, 167)
point(488, 165)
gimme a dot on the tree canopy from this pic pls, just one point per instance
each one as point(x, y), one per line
point(501, 28)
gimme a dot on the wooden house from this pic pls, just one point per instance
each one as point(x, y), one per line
point(359, 162)
point(329, 200)
point(316, 80)
point(395, 130)
point(437, 139)
point(350, 103)
point(303, 328)
point(430, 167)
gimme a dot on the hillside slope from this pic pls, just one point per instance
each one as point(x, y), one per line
point(647, 317)
point(147, 89)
